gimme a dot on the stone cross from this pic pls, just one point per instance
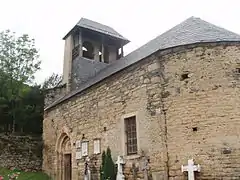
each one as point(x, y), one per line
point(190, 168)
point(87, 172)
point(145, 168)
point(120, 163)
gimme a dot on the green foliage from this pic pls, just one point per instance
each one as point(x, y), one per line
point(23, 175)
point(21, 106)
point(102, 166)
point(108, 169)
point(29, 112)
point(18, 57)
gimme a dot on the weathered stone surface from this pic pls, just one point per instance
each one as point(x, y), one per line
point(53, 94)
point(214, 111)
point(22, 152)
point(167, 109)
point(83, 69)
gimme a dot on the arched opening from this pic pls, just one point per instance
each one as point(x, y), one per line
point(119, 53)
point(100, 55)
point(106, 54)
point(64, 157)
point(88, 50)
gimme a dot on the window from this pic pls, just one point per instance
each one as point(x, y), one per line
point(88, 50)
point(106, 54)
point(100, 54)
point(131, 135)
point(119, 53)
point(238, 70)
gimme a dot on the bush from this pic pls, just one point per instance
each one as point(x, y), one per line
point(107, 169)
point(102, 166)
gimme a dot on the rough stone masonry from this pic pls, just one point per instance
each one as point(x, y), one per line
point(186, 101)
point(173, 99)
point(21, 152)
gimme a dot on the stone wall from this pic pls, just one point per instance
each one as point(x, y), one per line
point(98, 113)
point(186, 101)
point(203, 110)
point(53, 94)
point(83, 69)
point(22, 152)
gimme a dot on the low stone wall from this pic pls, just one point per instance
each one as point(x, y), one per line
point(22, 152)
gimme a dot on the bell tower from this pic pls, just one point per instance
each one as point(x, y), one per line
point(89, 47)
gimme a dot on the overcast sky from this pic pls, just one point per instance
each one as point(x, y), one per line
point(138, 20)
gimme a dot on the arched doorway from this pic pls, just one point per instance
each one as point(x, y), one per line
point(64, 157)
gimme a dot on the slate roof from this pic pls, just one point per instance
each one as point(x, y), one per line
point(193, 30)
point(95, 26)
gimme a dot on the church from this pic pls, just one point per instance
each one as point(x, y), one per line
point(173, 102)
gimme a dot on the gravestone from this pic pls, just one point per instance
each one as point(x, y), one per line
point(120, 162)
point(191, 168)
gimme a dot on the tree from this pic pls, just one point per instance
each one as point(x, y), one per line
point(109, 169)
point(102, 166)
point(31, 114)
point(4, 104)
point(19, 60)
point(19, 57)
point(52, 81)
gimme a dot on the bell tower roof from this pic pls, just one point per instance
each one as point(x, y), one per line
point(99, 28)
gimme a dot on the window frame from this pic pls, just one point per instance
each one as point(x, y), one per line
point(139, 115)
point(131, 138)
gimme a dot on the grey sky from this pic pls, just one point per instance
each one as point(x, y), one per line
point(140, 21)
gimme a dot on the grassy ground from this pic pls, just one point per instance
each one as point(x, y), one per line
point(24, 175)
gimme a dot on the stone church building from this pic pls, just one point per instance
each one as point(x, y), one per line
point(175, 98)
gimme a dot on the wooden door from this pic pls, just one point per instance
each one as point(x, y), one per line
point(67, 167)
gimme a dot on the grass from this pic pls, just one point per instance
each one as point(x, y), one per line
point(24, 175)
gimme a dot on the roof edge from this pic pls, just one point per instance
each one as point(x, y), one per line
point(72, 94)
point(125, 40)
point(69, 32)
